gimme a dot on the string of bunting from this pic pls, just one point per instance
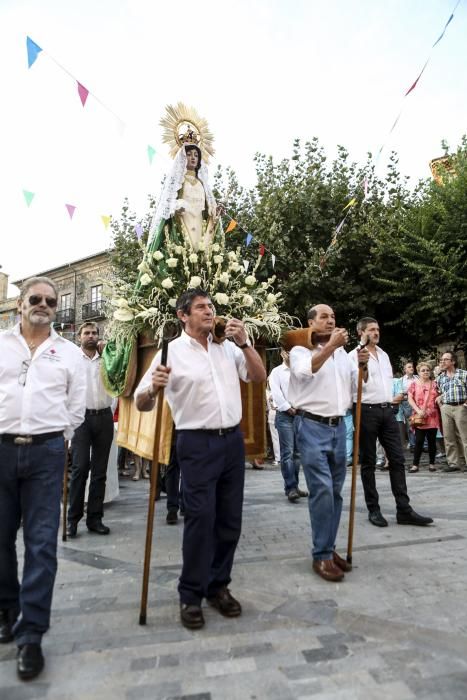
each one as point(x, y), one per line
point(364, 183)
point(233, 224)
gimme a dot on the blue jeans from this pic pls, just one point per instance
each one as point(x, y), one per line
point(322, 449)
point(290, 458)
point(407, 410)
point(348, 420)
point(31, 479)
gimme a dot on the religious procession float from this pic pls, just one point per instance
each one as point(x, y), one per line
point(186, 249)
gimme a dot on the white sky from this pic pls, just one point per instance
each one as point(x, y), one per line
point(263, 72)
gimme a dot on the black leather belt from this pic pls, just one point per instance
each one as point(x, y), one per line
point(333, 420)
point(29, 439)
point(378, 405)
point(96, 411)
point(210, 431)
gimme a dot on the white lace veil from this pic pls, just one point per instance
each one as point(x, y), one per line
point(172, 184)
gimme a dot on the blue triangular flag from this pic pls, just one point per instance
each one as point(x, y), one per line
point(249, 238)
point(33, 51)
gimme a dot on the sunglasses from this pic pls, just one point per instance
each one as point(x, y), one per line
point(36, 299)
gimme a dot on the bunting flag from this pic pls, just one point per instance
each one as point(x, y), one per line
point(138, 231)
point(273, 260)
point(33, 51)
point(248, 238)
point(231, 226)
point(246, 265)
point(352, 203)
point(82, 92)
point(70, 209)
point(151, 154)
point(262, 250)
point(28, 196)
point(106, 220)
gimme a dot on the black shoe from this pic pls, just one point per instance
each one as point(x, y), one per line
point(412, 518)
point(99, 528)
point(293, 496)
point(451, 468)
point(172, 517)
point(7, 620)
point(224, 601)
point(191, 616)
point(375, 517)
point(30, 661)
point(71, 530)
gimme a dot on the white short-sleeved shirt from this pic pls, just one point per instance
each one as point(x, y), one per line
point(203, 390)
point(378, 387)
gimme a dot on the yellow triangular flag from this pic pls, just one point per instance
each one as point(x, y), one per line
point(106, 220)
point(231, 226)
point(352, 202)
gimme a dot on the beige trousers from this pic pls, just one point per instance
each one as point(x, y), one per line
point(455, 433)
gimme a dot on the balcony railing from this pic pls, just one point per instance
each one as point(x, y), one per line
point(65, 316)
point(93, 310)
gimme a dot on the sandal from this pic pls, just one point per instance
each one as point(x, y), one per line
point(432, 468)
point(413, 469)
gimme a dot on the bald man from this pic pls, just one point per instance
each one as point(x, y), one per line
point(320, 389)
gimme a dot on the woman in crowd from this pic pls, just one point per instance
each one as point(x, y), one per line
point(422, 395)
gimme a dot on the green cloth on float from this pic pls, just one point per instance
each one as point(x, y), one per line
point(115, 365)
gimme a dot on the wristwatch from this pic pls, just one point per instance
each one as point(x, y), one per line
point(246, 344)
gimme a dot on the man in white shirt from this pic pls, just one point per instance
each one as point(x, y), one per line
point(320, 389)
point(42, 394)
point(90, 447)
point(202, 389)
point(285, 413)
point(379, 422)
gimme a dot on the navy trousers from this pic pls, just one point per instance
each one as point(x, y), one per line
point(31, 479)
point(213, 475)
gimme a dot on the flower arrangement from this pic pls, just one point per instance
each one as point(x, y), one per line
point(166, 273)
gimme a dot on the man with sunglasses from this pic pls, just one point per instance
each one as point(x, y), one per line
point(42, 402)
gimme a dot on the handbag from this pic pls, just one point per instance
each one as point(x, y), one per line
point(416, 420)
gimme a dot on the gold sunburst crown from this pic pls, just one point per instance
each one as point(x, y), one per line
point(183, 125)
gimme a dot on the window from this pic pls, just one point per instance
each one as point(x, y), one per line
point(65, 302)
point(96, 294)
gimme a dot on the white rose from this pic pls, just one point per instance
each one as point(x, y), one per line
point(235, 267)
point(173, 303)
point(221, 299)
point(193, 258)
point(216, 247)
point(178, 249)
point(202, 246)
point(172, 262)
point(158, 255)
point(143, 266)
point(248, 300)
point(271, 298)
point(167, 283)
point(250, 280)
point(195, 282)
point(224, 278)
point(218, 258)
point(232, 255)
point(264, 285)
point(121, 302)
point(123, 315)
point(145, 279)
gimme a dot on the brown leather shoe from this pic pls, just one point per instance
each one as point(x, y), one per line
point(224, 601)
point(341, 563)
point(191, 616)
point(327, 570)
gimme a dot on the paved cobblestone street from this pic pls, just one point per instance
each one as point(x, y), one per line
point(394, 629)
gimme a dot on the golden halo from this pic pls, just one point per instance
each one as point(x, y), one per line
point(183, 125)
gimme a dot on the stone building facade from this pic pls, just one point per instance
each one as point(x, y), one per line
point(80, 294)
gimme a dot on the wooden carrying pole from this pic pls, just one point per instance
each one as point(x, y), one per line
point(356, 450)
point(152, 494)
point(65, 492)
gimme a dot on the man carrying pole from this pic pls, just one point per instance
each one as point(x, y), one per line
point(320, 388)
point(202, 389)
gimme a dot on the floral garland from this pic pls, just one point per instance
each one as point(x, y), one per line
point(166, 273)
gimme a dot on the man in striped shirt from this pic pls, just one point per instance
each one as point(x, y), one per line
point(452, 385)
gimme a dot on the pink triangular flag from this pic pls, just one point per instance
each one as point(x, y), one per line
point(70, 209)
point(83, 93)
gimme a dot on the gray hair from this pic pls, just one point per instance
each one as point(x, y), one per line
point(32, 281)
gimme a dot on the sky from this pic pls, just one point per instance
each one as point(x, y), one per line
point(262, 72)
